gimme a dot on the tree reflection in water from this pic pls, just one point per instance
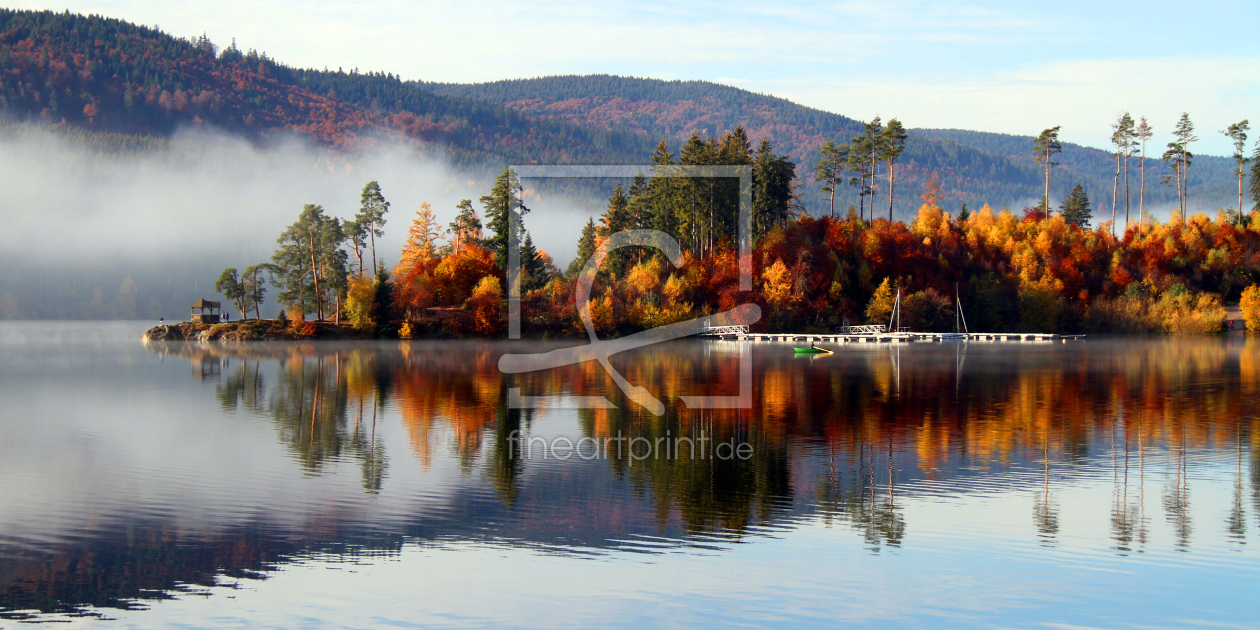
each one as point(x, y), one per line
point(849, 439)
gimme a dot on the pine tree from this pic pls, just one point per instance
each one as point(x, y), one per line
point(229, 286)
point(372, 209)
point(1141, 134)
point(893, 142)
point(1045, 147)
point(255, 286)
point(331, 260)
point(297, 263)
point(859, 147)
point(357, 235)
point(466, 228)
point(963, 213)
point(1237, 133)
point(1075, 208)
point(829, 170)
point(1122, 135)
point(1178, 158)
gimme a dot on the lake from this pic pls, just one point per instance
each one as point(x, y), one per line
point(1112, 482)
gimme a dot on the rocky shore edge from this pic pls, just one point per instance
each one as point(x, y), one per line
point(253, 330)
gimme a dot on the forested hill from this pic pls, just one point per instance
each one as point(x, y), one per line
point(107, 74)
point(975, 167)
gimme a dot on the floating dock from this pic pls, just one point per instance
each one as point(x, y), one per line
point(740, 333)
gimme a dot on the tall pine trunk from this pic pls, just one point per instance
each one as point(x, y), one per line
point(1181, 201)
point(861, 195)
point(1240, 214)
point(833, 194)
point(1115, 193)
point(890, 191)
point(1126, 190)
point(1185, 174)
point(1047, 197)
point(319, 302)
point(1142, 188)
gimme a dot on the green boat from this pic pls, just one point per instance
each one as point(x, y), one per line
point(812, 351)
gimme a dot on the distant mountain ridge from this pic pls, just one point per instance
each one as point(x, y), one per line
point(108, 75)
point(975, 167)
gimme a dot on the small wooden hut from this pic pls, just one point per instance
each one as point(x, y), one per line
point(205, 312)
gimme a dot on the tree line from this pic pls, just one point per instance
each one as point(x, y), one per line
point(1128, 141)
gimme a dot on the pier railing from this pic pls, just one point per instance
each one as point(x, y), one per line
point(874, 329)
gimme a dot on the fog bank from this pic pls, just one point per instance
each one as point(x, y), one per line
point(80, 219)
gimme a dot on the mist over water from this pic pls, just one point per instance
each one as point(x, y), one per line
point(81, 220)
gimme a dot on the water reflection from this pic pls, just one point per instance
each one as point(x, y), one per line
point(411, 441)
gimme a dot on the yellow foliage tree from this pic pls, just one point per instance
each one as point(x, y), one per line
point(776, 283)
point(879, 309)
point(484, 305)
point(422, 237)
point(360, 300)
point(1250, 305)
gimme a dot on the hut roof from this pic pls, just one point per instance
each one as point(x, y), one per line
point(204, 303)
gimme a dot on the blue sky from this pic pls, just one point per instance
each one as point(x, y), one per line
point(1013, 67)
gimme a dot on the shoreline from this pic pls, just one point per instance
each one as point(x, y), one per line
point(254, 330)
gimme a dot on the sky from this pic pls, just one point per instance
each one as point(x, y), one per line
point(1003, 66)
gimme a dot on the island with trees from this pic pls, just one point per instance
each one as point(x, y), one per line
point(1041, 269)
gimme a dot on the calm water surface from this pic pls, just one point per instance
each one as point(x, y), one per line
point(1109, 483)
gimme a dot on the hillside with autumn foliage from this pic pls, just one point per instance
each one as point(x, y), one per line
point(105, 74)
point(973, 167)
point(110, 75)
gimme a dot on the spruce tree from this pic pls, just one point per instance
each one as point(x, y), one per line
point(586, 247)
point(1075, 208)
point(662, 195)
point(772, 195)
point(501, 207)
point(533, 274)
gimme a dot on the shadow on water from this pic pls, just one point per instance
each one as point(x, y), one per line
point(843, 440)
